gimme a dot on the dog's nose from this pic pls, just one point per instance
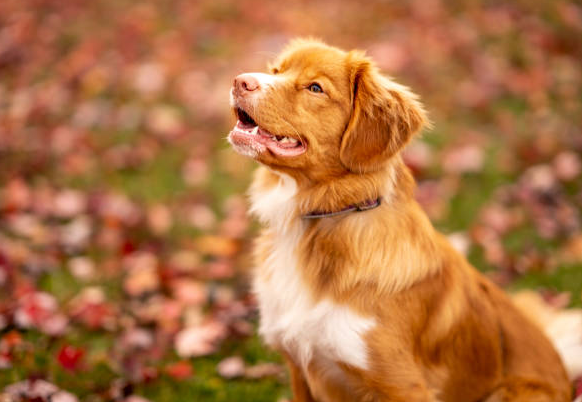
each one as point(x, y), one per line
point(246, 83)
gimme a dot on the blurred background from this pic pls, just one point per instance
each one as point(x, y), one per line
point(124, 240)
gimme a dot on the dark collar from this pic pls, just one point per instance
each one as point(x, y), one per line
point(363, 206)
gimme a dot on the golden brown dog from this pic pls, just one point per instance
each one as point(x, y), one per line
point(355, 287)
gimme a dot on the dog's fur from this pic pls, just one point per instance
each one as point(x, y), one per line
point(374, 305)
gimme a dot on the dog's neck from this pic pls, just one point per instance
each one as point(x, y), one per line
point(277, 197)
point(393, 184)
point(279, 203)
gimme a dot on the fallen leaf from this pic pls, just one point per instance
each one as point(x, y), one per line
point(63, 396)
point(195, 172)
point(231, 367)
point(539, 178)
point(11, 339)
point(159, 219)
point(69, 203)
point(76, 234)
point(34, 308)
point(165, 121)
point(181, 370)
point(577, 388)
point(55, 325)
point(463, 159)
point(149, 79)
point(15, 195)
point(460, 242)
point(137, 338)
point(571, 252)
point(201, 340)
point(31, 389)
point(70, 357)
point(263, 370)
point(135, 398)
point(201, 217)
point(91, 309)
point(189, 292)
point(142, 273)
point(184, 261)
point(418, 156)
point(217, 246)
point(567, 165)
point(82, 268)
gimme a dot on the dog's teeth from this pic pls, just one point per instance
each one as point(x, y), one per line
point(288, 140)
point(255, 130)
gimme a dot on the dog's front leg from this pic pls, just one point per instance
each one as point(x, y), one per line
point(401, 392)
point(411, 395)
point(395, 378)
point(299, 385)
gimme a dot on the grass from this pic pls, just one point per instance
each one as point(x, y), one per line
point(94, 381)
point(160, 181)
point(567, 278)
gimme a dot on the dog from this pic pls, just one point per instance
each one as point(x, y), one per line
point(362, 296)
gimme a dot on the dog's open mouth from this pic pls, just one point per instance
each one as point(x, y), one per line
point(248, 137)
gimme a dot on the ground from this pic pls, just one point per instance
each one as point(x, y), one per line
point(124, 242)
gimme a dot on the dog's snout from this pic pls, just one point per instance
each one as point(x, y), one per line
point(245, 83)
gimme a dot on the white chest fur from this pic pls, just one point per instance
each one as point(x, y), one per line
point(290, 319)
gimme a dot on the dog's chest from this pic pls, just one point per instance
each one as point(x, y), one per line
point(291, 320)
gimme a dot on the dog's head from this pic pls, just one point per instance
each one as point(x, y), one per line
point(322, 112)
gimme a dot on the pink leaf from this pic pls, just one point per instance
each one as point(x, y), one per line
point(231, 367)
point(201, 340)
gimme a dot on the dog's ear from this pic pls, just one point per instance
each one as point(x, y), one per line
point(385, 115)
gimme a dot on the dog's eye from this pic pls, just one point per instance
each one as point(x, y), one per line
point(315, 87)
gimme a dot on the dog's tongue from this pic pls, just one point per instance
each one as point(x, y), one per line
point(255, 139)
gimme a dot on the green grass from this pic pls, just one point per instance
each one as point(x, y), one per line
point(206, 385)
point(93, 381)
point(203, 388)
point(161, 181)
point(111, 35)
point(567, 278)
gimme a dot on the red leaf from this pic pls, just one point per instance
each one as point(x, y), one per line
point(149, 374)
point(128, 247)
point(11, 339)
point(578, 386)
point(70, 357)
point(180, 370)
point(90, 308)
point(34, 309)
point(95, 315)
